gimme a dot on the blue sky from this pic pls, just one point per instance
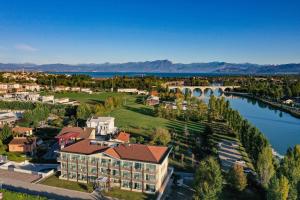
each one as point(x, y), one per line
point(95, 31)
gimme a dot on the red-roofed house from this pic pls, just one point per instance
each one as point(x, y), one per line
point(69, 135)
point(136, 167)
point(121, 137)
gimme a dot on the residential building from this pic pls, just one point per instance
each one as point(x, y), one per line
point(61, 88)
point(152, 100)
point(103, 125)
point(69, 135)
point(128, 90)
point(31, 87)
point(22, 144)
point(135, 167)
point(62, 100)
point(121, 137)
point(33, 97)
point(22, 131)
point(86, 90)
point(9, 118)
point(49, 98)
point(3, 86)
point(75, 89)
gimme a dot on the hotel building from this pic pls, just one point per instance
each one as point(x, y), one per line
point(135, 167)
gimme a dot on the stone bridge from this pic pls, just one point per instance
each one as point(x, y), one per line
point(202, 89)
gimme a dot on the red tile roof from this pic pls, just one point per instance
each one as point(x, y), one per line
point(138, 152)
point(22, 141)
point(82, 133)
point(85, 147)
point(19, 129)
point(122, 136)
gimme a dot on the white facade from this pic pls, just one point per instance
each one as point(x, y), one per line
point(102, 125)
point(33, 97)
point(49, 98)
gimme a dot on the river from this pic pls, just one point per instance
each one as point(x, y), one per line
point(281, 129)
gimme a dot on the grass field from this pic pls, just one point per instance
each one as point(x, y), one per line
point(133, 117)
point(123, 194)
point(9, 195)
point(71, 185)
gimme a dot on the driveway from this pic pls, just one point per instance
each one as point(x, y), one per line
point(44, 190)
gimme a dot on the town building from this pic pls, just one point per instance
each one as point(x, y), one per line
point(62, 100)
point(121, 137)
point(22, 144)
point(103, 125)
point(33, 97)
point(22, 131)
point(86, 90)
point(135, 167)
point(9, 118)
point(45, 99)
point(128, 90)
point(69, 135)
point(31, 87)
point(152, 100)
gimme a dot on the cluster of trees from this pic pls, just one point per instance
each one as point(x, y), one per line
point(208, 182)
point(273, 88)
point(84, 111)
point(16, 105)
point(285, 183)
point(252, 139)
point(161, 137)
point(5, 136)
point(35, 116)
point(195, 110)
point(76, 80)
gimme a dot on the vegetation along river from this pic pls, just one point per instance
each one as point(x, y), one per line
point(281, 129)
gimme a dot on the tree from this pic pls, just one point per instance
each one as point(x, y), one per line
point(5, 134)
point(237, 177)
point(278, 188)
point(265, 167)
point(208, 180)
point(290, 168)
point(140, 140)
point(83, 111)
point(161, 137)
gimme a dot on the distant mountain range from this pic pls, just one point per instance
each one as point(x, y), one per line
point(160, 66)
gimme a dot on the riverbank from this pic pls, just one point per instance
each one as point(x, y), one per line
point(284, 108)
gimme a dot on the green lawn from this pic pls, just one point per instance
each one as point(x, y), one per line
point(127, 195)
point(9, 195)
point(89, 98)
point(15, 156)
point(71, 185)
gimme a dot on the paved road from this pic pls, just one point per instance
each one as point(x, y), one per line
point(44, 190)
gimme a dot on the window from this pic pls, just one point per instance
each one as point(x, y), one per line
point(126, 184)
point(137, 176)
point(137, 186)
point(104, 162)
point(150, 177)
point(150, 188)
point(115, 172)
point(115, 163)
point(126, 174)
point(150, 167)
point(138, 166)
point(93, 160)
point(93, 170)
point(127, 164)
